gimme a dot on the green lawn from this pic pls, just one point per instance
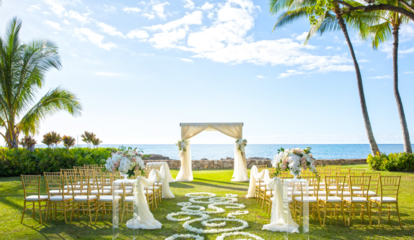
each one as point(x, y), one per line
point(215, 181)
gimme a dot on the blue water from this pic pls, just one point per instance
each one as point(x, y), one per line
point(218, 151)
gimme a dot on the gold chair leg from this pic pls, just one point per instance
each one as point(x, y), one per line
point(72, 212)
point(64, 211)
point(96, 211)
point(379, 214)
point(33, 210)
point(398, 213)
point(40, 212)
point(123, 212)
point(24, 209)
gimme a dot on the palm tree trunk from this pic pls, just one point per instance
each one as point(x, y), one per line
point(403, 122)
point(368, 128)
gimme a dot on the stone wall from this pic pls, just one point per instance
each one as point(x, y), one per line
point(229, 163)
point(340, 161)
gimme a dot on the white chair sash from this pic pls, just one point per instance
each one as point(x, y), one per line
point(255, 176)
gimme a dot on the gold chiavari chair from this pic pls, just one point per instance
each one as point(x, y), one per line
point(261, 167)
point(63, 171)
point(155, 189)
point(57, 202)
point(82, 197)
point(313, 199)
point(79, 167)
point(52, 173)
point(104, 201)
point(31, 191)
point(360, 184)
point(344, 171)
point(374, 183)
point(389, 187)
point(358, 172)
point(128, 202)
point(332, 202)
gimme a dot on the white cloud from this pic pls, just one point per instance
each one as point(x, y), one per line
point(56, 6)
point(95, 38)
point(188, 4)
point(109, 8)
point(381, 77)
point(407, 31)
point(186, 60)
point(410, 50)
point(207, 6)
point(109, 29)
point(290, 73)
point(159, 9)
point(329, 47)
point(149, 16)
point(227, 41)
point(33, 7)
point(169, 34)
point(409, 72)
point(54, 25)
point(260, 76)
point(80, 17)
point(302, 37)
point(106, 74)
point(131, 9)
point(66, 22)
point(140, 34)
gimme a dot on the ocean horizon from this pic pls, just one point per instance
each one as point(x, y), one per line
point(219, 151)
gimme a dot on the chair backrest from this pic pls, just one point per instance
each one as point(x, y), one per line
point(31, 185)
point(374, 181)
point(345, 171)
point(390, 186)
point(334, 185)
point(358, 172)
point(359, 184)
point(51, 173)
point(313, 184)
point(261, 167)
point(79, 183)
point(63, 171)
point(54, 182)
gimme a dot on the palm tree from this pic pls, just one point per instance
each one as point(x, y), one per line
point(22, 71)
point(389, 23)
point(47, 139)
point(68, 141)
point(88, 137)
point(330, 20)
point(96, 142)
point(28, 142)
point(56, 138)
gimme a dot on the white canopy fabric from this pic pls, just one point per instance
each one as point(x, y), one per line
point(234, 130)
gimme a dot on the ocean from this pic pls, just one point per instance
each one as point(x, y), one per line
point(218, 151)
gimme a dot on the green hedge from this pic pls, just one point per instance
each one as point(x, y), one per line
point(392, 162)
point(14, 162)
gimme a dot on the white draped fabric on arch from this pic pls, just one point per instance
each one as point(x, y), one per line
point(234, 130)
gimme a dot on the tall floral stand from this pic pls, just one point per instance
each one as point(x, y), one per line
point(117, 198)
point(296, 188)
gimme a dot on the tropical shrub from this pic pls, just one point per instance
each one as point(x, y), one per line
point(14, 162)
point(392, 162)
point(47, 139)
point(28, 142)
point(68, 141)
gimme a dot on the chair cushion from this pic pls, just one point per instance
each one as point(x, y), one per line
point(153, 187)
point(347, 187)
point(331, 199)
point(55, 192)
point(355, 199)
point(128, 187)
point(83, 198)
point(78, 192)
point(149, 192)
point(129, 199)
point(310, 199)
point(294, 193)
point(320, 193)
point(104, 191)
point(384, 199)
point(60, 197)
point(36, 197)
point(370, 193)
point(120, 191)
point(108, 198)
point(107, 187)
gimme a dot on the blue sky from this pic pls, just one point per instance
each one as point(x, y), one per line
point(142, 67)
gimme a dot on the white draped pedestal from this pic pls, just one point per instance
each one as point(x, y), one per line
point(281, 216)
point(117, 196)
point(166, 167)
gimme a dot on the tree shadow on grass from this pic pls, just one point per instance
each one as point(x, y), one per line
point(221, 182)
point(220, 186)
point(180, 185)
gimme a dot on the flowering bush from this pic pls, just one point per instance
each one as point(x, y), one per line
point(391, 162)
point(241, 144)
point(293, 160)
point(126, 161)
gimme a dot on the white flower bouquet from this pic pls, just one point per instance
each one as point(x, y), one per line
point(241, 144)
point(294, 160)
point(182, 145)
point(126, 161)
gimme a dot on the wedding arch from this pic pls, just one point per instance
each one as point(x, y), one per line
point(234, 130)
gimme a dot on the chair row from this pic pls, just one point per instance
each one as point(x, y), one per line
point(335, 195)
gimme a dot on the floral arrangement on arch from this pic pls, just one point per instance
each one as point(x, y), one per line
point(294, 160)
point(182, 145)
point(241, 144)
point(126, 161)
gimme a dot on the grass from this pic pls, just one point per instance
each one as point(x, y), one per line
point(216, 181)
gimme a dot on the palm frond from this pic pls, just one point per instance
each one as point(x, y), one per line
point(288, 17)
point(55, 100)
point(381, 33)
